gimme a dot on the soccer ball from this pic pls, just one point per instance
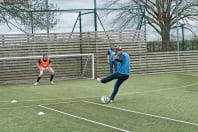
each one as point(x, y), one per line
point(104, 99)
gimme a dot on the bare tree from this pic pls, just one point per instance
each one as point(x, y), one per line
point(160, 15)
point(12, 12)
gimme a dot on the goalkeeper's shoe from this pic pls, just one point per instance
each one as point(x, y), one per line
point(36, 83)
point(52, 83)
point(99, 80)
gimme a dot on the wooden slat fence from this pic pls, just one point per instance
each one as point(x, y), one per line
point(21, 45)
point(132, 41)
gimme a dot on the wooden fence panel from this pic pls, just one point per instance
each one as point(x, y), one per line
point(22, 45)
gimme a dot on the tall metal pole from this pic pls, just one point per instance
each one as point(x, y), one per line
point(47, 13)
point(177, 28)
point(183, 36)
point(32, 22)
point(95, 16)
point(145, 19)
point(80, 22)
point(80, 26)
point(96, 29)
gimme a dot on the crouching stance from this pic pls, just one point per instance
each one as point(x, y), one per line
point(122, 73)
point(44, 64)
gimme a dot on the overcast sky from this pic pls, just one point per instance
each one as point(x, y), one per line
point(67, 20)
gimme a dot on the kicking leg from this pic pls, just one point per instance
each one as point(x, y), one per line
point(111, 77)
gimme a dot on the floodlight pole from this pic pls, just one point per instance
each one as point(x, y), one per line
point(96, 29)
point(80, 26)
point(47, 8)
point(177, 29)
point(145, 20)
point(80, 22)
point(95, 16)
point(182, 26)
point(48, 38)
point(32, 22)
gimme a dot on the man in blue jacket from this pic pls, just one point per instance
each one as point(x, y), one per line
point(122, 74)
point(110, 60)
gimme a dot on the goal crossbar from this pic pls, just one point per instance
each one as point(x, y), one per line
point(51, 56)
point(64, 56)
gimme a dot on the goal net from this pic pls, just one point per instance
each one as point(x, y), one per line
point(66, 66)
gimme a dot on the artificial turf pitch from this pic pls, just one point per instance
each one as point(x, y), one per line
point(150, 103)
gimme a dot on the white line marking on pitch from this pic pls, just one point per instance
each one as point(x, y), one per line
point(29, 106)
point(131, 111)
point(82, 118)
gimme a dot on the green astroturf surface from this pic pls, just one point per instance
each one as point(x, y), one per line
point(174, 96)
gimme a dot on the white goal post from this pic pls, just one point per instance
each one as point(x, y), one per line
point(66, 66)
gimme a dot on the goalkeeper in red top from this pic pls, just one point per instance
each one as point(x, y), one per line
point(44, 64)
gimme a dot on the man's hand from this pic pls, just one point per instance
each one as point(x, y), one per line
point(37, 64)
point(108, 59)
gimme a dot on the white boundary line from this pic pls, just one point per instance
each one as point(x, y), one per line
point(29, 106)
point(151, 115)
point(129, 93)
point(82, 118)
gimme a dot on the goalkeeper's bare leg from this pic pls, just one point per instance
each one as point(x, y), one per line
point(39, 77)
point(51, 71)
